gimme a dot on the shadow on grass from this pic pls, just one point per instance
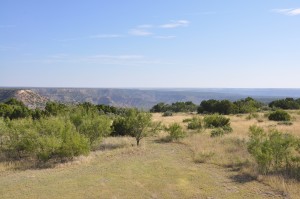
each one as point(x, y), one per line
point(162, 140)
point(109, 146)
point(242, 178)
point(31, 164)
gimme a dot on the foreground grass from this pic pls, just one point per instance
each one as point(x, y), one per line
point(155, 170)
point(198, 167)
point(231, 152)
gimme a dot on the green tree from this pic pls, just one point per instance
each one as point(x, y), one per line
point(58, 138)
point(95, 128)
point(248, 105)
point(134, 123)
point(159, 108)
point(21, 138)
point(288, 103)
point(5, 110)
point(54, 108)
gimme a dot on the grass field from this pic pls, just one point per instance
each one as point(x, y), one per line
point(196, 167)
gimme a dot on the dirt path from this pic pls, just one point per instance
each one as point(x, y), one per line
point(157, 170)
point(220, 182)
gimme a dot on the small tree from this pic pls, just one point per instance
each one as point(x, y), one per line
point(54, 108)
point(141, 125)
point(93, 127)
point(135, 123)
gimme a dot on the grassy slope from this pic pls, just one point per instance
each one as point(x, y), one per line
point(156, 170)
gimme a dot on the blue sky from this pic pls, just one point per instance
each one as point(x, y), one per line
point(150, 43)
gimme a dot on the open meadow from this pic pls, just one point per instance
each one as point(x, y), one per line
point(149, 99)
point(197, 166)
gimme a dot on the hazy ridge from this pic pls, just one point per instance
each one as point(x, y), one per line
point(141, 98)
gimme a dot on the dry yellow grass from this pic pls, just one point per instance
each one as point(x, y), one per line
point(231, 150)
point(177, 117)
point(156, 170)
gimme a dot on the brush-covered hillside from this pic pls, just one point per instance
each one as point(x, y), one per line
point(29, 97)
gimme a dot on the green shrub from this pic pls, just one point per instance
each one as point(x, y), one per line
point(221, 131)
point(280, 115)
point(59, 138)
point(43, 139)
point(20, 139)
point(95, 127)
point(195, 123)
point(217, 132)
point(120, 127)
point(215, 121)
point(187, 120)
point(227, 129)
point(176, 131)
point(204, 157)
point(49, 147)
point(73, 143)
point(273, 151)
point(167, 114)
point(252, 116)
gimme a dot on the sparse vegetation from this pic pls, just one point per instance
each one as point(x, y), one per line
point(195, 123)
point(66, 132)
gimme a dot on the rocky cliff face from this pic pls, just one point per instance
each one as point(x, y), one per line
point(28, 97)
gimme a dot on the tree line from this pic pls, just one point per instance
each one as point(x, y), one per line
point(226, 107)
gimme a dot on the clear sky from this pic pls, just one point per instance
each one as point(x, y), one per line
point(150, 43)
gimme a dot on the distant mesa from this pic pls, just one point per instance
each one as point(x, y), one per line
point(139, 98)
point(105, 100)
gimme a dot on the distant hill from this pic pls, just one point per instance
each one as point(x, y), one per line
point(141, 98)
point(29, 97)
point(128, 97)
